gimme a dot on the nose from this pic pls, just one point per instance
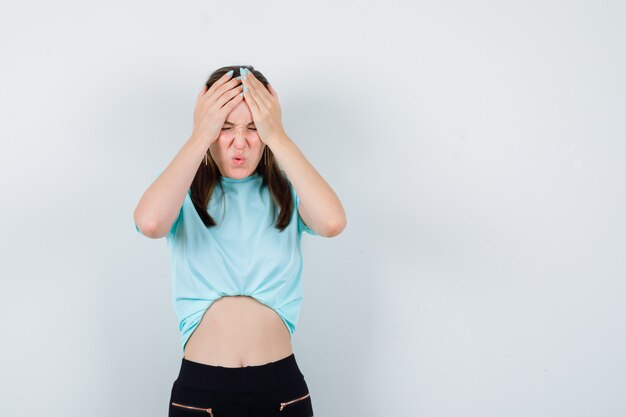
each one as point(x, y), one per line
point(240, 136)
point(241, 132)
point(240, 141)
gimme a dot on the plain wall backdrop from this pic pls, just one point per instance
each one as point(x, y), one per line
point(478, 148)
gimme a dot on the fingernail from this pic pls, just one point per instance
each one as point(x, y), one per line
point(245, 89)
point(229, 73)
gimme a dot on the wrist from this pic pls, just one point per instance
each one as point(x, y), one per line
point(277, 139)
point(200, 139)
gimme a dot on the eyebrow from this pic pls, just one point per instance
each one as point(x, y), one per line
point(230, 123)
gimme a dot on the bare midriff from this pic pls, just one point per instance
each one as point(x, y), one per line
point(238, 331)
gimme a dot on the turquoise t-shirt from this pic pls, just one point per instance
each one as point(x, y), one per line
point(244, 254)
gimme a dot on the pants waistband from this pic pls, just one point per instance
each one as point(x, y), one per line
point(252, 378)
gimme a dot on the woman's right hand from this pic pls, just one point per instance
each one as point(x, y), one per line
point(214, 105)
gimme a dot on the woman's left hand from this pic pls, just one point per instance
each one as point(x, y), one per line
point(265, 108)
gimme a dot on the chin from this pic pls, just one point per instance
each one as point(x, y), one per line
point(240, 173)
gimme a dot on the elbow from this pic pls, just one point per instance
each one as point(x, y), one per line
point(336, 227)
point(148, 228)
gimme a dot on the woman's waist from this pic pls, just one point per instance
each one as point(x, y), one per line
point(239, 331)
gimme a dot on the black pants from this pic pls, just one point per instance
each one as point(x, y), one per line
point(276, 389)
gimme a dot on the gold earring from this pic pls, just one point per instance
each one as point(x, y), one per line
point(205, 159)
point(265, 156)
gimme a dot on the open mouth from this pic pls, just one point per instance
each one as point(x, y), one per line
point(238, 160)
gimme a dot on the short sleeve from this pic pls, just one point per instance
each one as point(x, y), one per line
point(301, 225)
point(178, 220)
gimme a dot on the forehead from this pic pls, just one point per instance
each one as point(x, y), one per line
point(240, 114)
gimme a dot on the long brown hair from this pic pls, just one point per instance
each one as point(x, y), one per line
point(208, 175)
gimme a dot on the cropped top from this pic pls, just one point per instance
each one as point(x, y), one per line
point(244, 254)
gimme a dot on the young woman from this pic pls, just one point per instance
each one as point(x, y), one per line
point(232, 205)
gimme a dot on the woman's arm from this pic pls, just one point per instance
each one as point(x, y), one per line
point(320, 207)
point(161, 202)
point(159, 206)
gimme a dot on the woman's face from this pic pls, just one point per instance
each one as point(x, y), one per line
point(237, 138)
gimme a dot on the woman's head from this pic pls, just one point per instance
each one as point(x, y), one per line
point(239, 137)
point(238, 150)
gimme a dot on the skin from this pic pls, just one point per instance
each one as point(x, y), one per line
point(238, 331)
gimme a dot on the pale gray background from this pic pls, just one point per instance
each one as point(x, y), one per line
point(479, 149)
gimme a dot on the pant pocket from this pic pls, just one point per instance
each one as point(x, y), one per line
point(182, 410)
point(294, 400)
point(189, 402)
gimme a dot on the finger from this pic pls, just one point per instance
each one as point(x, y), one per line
point(254, 108)
point(227, 96)
point(250, 98)
point(236, 88)
point(221, 84)
point(232, 102)
point(202, 91)
point(273, 92)
point(260, 93)
point(224, 93)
